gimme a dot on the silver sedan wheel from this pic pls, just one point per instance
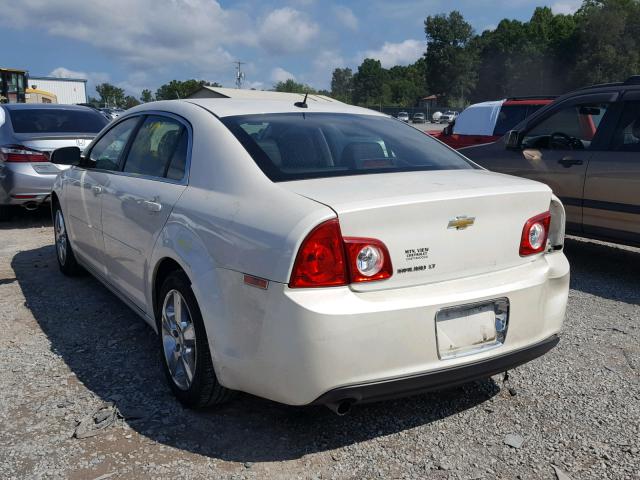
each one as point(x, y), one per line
point(178, 339)
point(60, 233)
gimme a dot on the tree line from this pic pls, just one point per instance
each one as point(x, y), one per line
point(548, 55)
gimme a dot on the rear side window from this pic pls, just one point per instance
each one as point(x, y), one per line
point(627, 136)
point(52, 120)
point(159, 149)
point(295, 146)
point(509, 117)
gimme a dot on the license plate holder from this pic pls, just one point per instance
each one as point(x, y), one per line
point(468, 329)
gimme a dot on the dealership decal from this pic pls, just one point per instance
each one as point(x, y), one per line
point(413, 254)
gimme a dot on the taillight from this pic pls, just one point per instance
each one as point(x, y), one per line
point(535, 234)
point(326, 259)
point(320, 261)
point(368, 259)
point(21, 154)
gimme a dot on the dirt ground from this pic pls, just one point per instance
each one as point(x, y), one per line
point(68, 347)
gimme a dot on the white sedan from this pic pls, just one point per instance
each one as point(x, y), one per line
point(311, 253)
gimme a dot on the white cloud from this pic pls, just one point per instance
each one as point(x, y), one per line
point(566, 7)
point(279, 74)
point(345, 16)
point(286, 30)
point(402, 53)
point(143, 35)
point(62, 72)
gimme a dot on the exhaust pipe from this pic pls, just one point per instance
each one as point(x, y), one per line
point(341, 408)
point(30, 206)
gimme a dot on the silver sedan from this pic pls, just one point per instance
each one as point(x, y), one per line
point(28, 133)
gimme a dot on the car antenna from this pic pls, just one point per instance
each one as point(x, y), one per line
point(303, 103)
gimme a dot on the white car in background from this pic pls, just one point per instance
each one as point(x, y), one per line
point(404, 116)
point(311, 254)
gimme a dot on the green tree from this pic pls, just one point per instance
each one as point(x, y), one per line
point(146, 96)
point(110, 95)
point(451, 57)
point(342, 84)
point(368, 83)
point(609, 37)
point(291, 86)
point(176, 89)
point(130, 101)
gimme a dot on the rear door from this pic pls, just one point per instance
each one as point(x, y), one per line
point(612, 188)
point(138, 200)
point(84, 187)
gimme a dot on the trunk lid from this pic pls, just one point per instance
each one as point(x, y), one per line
point(424, 219)
point(48, 143)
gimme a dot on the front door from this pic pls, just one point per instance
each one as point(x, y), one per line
point(612, 188)
point(85, 186)
point(556, 150)
point(138, 201)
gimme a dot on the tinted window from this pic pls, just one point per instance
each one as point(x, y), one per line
point(292, 146)
point(509, 117)
point(51, 120)
point(627, 136)
point(158, 149)
point(105, 154)
point(570, 128)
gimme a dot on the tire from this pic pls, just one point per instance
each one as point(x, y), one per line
point(64, 252)
point(184, 348)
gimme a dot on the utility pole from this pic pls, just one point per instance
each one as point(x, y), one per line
point(239, 73)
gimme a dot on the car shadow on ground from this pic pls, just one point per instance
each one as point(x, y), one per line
point(21, 218)
point(115, 355)
point(604, 270)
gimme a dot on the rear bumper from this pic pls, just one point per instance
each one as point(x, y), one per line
point(21, 184)
point(436, 380)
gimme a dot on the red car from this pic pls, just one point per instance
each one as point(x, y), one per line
point(488, 121)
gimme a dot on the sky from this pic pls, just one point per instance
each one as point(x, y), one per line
point(137, 44)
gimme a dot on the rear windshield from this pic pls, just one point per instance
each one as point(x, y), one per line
point(296, 146)
point(51, 120)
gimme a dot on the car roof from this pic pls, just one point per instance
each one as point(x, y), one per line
point(43, 106)
point(227, 107)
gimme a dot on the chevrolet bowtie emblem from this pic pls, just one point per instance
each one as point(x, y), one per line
point(462, 222)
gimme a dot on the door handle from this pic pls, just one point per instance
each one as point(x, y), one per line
point(96, 189)
point(567, 162)
point(152, 206)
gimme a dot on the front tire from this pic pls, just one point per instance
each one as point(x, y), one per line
point(64, 253)
point(184, 348)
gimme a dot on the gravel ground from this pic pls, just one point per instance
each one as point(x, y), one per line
point(68, 348)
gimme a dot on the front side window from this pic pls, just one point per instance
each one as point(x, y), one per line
point(105, 154)
point(159, 149)
point(570, 128)
point(296, 146)
point(627, 136)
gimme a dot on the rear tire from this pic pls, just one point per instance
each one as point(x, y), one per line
point(64, 253)
point(184, 348)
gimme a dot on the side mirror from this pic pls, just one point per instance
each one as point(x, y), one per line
point(66, 156)
point(513, 140)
